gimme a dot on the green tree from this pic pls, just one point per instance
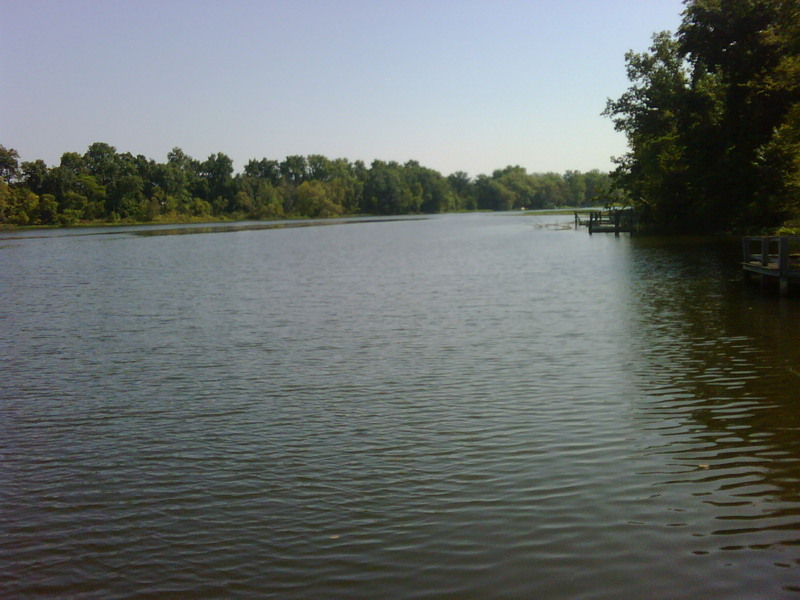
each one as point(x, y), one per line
point(599, 191)
point(430, 190)
point(264, 169)
point(709, 118)
point(313, 200)
point(72, 162)
point(576, 188)
point(294, 169)
point(102, 163)
point(319, 168)
point(18, 206)
point(257, 198)
point(9, 164)
point(491, 194)
point(386, 192)
point(551, 191)
point(463, 191)
point(651, 113)
point(34, 175)
point(217, 172)
point(46, 209)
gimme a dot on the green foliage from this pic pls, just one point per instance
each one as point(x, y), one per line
point(313, 200)
point(9, 164)
point(105, 185)
point(711, 119)
point(268, 170)
point(492, 194)
point(294, 169)
point(18, 206)
point(463, 191)
point(47, 209)
point(34, 176)
point(385, 190)
point(514, 188)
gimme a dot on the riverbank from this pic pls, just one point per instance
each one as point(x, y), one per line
point(210, 219)
point(180, 220)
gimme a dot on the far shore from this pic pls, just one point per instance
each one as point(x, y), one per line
point(186, 220)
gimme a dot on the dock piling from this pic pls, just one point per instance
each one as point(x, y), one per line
point(614, 221)
point(772, 262)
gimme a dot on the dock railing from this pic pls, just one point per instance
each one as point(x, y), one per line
point(772, 258)
point(614, 220)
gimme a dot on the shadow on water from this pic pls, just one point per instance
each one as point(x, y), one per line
point(226, 228)
point(255, 226)
point(189, 228)
point(719, 372)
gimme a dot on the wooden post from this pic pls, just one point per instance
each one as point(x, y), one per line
point(616, 222)
point(746, 256)
point(783, 264)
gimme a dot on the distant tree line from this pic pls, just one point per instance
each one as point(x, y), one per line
point(105, 185)
point(713, 119)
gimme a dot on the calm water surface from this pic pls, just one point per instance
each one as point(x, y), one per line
point(469, 406)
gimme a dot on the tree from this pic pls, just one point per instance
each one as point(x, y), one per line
point(598, 190)
point(18, 206)
point(386, 192)
point(258, 198)
point(72, 162)
point(709, 118)
point(491, 194)
point(9, 164)
point(34, 175)
point(217, 170)
point(463, 190)
point(101, 161)
point(46, 209)
point(103, 184)
point(294, 169)
point(264, 169)
point(731, 42)
point(652, 114)
point(550, 191)
point(313, 200)
point(576, 188)
point(431, 192)
point(319, 168)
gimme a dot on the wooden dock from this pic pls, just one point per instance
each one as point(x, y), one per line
point(772, 259)
point(614, 221)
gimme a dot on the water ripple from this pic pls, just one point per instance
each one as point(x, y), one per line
point(416, 409)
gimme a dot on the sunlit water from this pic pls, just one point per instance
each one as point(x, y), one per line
point(469, 406)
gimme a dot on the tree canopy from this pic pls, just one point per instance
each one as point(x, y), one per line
point(103, 184)
point(713, 119)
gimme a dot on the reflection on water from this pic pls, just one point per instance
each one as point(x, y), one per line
point(470, 406)
point(720, 374)
point(186, 229)
point(233, 228)
point(230, 228)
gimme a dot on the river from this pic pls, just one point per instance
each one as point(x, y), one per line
point(460, 406)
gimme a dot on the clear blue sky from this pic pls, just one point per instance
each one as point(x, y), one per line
point(470, 85)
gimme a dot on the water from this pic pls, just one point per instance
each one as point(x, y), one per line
point(466, 406)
